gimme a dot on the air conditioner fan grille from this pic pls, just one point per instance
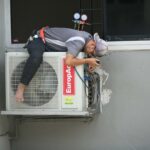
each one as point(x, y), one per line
point(42, 87)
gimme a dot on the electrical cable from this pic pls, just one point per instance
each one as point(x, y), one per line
point(80, 77)
point(83, 82)
point(93, 97)
point(95, 93)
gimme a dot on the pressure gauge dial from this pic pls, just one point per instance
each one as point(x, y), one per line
point(84, 17)
point(76, 16)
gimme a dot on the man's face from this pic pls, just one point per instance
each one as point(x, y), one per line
point(90, 47)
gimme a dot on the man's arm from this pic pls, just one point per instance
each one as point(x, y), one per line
point(73, 61)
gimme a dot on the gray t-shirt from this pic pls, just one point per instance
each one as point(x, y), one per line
point(66, 39)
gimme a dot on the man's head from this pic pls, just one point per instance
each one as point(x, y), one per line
point(90, 47)
point(101, 46)
point(96, 46)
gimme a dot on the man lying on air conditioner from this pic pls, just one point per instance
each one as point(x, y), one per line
point(60, 39)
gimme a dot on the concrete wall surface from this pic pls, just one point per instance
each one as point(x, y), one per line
point(124, 124)
point(4, 126)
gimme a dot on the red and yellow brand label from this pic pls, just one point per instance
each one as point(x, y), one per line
point(68, 79)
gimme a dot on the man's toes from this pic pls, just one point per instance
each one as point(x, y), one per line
point(19, 99)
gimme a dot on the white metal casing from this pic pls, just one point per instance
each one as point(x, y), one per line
point(61, 103)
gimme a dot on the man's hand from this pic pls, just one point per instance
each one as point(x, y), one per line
point(93, 62)
point(91, 68)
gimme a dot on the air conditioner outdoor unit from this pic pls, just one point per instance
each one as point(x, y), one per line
point(56, 88)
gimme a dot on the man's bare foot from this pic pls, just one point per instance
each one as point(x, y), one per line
point(19, 93)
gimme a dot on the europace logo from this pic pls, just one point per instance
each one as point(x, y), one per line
point(68, 80)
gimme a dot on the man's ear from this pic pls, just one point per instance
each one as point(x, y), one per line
point(85, 49)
